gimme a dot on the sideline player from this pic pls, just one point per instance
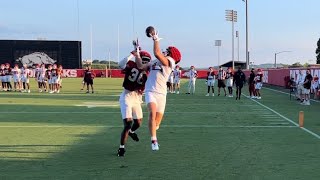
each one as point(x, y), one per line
point(131, 97)
point(221, 80)
point(8, 73)
point(229, 77)
point(210, 81)
point(239, 80)
point(177, 77)
point(156, 90)
point(193, 74)
point(251, 83)
point(258, 81)
point(16, 78)
point(306, 88)
point(25, 75)
point(3, 78)
point(42, 78)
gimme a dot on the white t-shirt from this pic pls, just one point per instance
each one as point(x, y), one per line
point(16, 73)
point(193, 74)
point(300, 79)
point(158, 76)
point(25, 72)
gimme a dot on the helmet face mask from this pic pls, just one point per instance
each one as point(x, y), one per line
point(145, 56)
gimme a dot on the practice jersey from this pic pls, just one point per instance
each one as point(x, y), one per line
point(59, 72)
point(48, 74)
point(221, 75)
point(42, 72)
point(210, 76)
point(7, 71)
point(158, 76)
point(259, 78)
point(135, 78)
point(88, 75)
point(25, 72)
point(177, 74)
point(2, 72)
point(229, 75)
point(16, 73)
point(193, 74)
point(37, 72)
point(54, 72)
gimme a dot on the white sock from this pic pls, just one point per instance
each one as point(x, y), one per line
point(153, 138)
point(130, 131)
point(121, 146)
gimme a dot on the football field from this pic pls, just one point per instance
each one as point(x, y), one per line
point(73, 135)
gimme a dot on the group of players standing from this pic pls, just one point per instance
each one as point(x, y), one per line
point(47, 79)
point(228, 79)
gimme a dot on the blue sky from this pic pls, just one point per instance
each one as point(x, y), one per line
point(190, 25)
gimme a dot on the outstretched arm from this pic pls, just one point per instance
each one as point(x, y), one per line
point(124, 61)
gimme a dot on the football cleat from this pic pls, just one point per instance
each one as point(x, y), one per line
point(155, 146)
point(208, 94)
point(121, 152)
point(134, 136)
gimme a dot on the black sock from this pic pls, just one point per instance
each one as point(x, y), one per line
point(208, 89)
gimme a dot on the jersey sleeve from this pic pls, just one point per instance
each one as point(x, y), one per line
point(124, 61)
point(172, 63)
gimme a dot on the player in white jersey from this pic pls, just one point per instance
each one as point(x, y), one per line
point(211, 79)
point(170, 83)
point(176, 79)
point(42, 78)
point(192, 80)
point(16, 78)
point(25, 74)
point(156, 89)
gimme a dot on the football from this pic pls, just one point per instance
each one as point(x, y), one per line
point(150, 30)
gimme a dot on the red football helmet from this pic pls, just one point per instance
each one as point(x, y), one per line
point(174, 53)
point(145, 56)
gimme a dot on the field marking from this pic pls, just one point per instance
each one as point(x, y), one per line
point(166, 126)
point(287, 93)
point(289, 120)
point(118, 112)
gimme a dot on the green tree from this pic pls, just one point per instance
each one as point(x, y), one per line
point(318, 51)
point(96, 61)
point(297, 64)
point(305, 65)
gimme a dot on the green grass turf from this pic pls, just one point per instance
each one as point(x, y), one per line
point(56, 136)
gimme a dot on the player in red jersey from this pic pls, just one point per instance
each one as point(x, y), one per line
point(88, 79)
point(258, 80)
point(131, 97)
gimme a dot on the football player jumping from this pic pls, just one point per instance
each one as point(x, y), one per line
point(156, 90)
point(131, 97)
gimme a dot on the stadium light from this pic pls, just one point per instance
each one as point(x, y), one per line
point(275, 57)
point(247, 36)
point(232, 16)
point(218, 44)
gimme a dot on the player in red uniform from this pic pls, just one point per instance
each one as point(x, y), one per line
point(131, 97)
point(88, 78)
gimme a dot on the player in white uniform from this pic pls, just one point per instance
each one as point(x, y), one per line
point(16, 78)
point(170, 83)
point(42, 78)
point(192, 80)
point(176, 79)
point(211, 79)
point(156, 89)
point(25, 74)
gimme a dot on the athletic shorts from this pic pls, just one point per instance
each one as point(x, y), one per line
point(3, 78)
point(171, 80)
point(229, 82)
point(258, 85)
point(306, 91)
point(240, 85)
point(158, 99)
point(221, 84)
point(130, 105)
point(16, 79)
point(210, 82)
point(24, 79)
point(55, 80)
point(300, 89)
point(177, 81)
point(89, 81)
point(41, 79)
point(8, 78)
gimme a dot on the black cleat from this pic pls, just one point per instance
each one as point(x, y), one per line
point(121, 152)
point(134, 136)
point(187, 93)
point(236, 98)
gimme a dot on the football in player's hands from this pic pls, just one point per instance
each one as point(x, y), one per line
point(150, 31)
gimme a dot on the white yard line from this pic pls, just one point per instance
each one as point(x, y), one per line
point(289, 120)
point(118, 112)
point(165, 126)
point(286, 93)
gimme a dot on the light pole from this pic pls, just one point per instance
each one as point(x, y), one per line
point(237, 36)
point(275, 57)
point(231, 15)
point(247, 35)
point(218, 44)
